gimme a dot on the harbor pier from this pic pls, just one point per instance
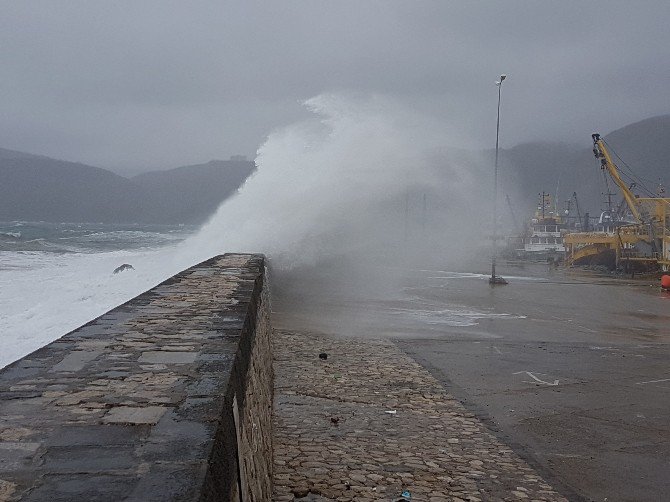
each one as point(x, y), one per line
point(195, 391)
point(166, 397)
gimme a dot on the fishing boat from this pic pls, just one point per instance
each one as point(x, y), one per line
point(543, 241)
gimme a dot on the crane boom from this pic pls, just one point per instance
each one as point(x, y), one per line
point(602, 154)
point(620, 208)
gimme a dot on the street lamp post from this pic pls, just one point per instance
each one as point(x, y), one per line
point(493, 280)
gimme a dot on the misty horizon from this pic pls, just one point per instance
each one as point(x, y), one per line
point(131, 172)
point(138, 87)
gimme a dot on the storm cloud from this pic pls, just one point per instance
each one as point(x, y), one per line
point(133, 86)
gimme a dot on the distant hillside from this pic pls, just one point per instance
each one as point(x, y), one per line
point(34, 187)
point(195, 190)
point(645, 147)
point(39, 188)
point(43, 189)
point(528, 169)
point(13, 154)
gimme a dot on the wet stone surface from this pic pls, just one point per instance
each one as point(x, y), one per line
point(368, 422)
point(127, 407)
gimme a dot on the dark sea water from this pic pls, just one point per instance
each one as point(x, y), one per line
point(87, 237)
point(55, 277)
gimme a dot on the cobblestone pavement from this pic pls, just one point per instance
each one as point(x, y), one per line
point(369, 422)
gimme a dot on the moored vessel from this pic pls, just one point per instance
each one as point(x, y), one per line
point(543, 239)
point(638, 243)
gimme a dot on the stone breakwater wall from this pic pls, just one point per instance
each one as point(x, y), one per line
point(167, 397)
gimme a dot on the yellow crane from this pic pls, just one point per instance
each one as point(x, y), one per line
point(606, 164)
point(645, 243)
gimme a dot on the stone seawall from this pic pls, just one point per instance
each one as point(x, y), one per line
point(167, 397)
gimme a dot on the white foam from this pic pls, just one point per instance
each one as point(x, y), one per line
point(333, 185)
point(342, 183)
point(46, 295)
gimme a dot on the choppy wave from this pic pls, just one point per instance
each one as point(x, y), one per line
point(56, 277)
point(86, 238)
point(45, 294)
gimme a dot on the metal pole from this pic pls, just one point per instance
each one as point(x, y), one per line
point(495, 192)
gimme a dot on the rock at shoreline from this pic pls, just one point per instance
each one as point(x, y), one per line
point(125, 266)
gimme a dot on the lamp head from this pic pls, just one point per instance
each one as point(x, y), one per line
point(502, 77)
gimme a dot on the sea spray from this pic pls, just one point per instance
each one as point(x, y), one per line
point(45, 295)
point(366, 183)
point(363, 177)
point(345, 203)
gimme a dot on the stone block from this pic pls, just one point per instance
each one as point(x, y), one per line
point(134, 415)
point(168, 357)
point(75, 360)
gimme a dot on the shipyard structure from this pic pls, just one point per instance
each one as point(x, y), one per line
point(632, 237)
point(638, 239)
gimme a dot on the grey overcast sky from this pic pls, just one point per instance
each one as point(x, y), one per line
point(136, 84)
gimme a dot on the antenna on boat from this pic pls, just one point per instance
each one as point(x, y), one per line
point(496, 279)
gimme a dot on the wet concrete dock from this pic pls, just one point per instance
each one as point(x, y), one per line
point(568, 370)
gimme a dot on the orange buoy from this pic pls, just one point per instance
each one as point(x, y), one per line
point(665, 282)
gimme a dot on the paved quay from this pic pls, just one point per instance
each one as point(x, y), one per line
point(368, 422)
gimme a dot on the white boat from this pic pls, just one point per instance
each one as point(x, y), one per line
point(544, 239)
